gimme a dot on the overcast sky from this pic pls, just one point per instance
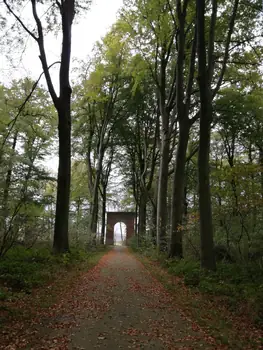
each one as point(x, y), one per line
point(88, 29)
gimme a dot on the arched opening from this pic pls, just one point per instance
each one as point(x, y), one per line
point(115, 218)
point(120, 233)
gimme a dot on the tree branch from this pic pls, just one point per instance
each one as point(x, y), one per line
point(228, 40)
point(22, 106)
point(20, 21)
point(42, 56)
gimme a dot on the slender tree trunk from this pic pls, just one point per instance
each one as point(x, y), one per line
point(185, 211)
point(205, 207)
point(163, 186)
point(95, 206)
point(153, 222)
point(136, 219)
point(254, 208)
point(95, 200)
point(169, 206)
point(142, 214)
point(176, 248)
point(182, 94)
point(103, 221)
point(8, 182)
point(95, 210)
point(78, 219)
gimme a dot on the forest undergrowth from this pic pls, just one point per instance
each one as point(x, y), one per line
point(34, 277)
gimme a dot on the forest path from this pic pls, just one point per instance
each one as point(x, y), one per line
point(135, 311)
point(115, 305)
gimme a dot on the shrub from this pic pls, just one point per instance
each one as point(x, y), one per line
point(238, 283)
point(23, 269)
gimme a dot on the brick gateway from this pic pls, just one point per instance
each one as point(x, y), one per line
point(113, 217)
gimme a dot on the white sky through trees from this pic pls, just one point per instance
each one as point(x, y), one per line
point(85, 32)
point(87, 29)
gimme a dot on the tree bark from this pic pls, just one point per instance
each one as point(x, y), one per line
point(206, 224)
point(176, 248)
point(142, 214)
point(95, 199)
point(206, 96)
point(61, 242)
point(162, 188)
point(103, 221)
point(8, 181)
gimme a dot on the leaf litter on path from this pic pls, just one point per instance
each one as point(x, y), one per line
point(116, 304)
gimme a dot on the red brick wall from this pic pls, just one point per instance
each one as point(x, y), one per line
point(128, 218)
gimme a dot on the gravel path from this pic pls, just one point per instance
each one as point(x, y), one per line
point(135, 311)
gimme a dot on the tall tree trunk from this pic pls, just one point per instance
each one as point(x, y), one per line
point(206, 95)
point(8, 181)
point(176, 248)
point(153, 223)
point(103, 221)
point(78, 210)
point(169, 206)
point(95, 209)
point(162, 193)
point(95, 199)
point(206, 223)
point(142, 214)
point(161, 236)
point(61, 243)
point(136, 219)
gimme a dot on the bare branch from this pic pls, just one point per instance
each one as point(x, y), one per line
point(20, 21)
point(42, 56)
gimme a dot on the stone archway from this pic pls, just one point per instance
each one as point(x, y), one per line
point(113, 217)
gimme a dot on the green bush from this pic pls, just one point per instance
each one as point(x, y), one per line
point(147, 249)
point(237, 283)
point(188, 269)
point(22, 269)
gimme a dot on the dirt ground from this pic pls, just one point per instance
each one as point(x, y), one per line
point(116, 305)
